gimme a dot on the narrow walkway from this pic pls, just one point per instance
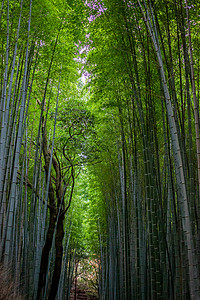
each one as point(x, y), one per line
point(81, 294)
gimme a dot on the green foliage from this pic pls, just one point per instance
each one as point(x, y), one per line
point(85, 215)
point(113, 138)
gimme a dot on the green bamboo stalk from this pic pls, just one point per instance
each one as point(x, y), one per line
point(186, 223)
point(18, 147)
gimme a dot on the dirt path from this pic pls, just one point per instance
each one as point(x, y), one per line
point(81, 294)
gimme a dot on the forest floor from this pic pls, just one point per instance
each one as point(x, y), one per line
point(82, 293)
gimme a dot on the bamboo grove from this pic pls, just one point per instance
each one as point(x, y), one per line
point(38, 164)
point(145, 88)
point(124, 146)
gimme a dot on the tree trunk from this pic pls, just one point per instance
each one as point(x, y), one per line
point(58, 259)
point(45, 253)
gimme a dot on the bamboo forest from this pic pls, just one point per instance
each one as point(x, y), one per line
point(99, 150)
